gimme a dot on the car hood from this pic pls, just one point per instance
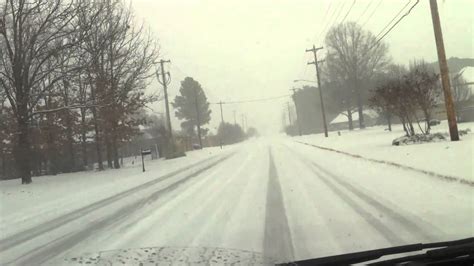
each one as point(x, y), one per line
point(171, 256)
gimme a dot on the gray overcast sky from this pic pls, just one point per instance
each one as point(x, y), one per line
point(250, 49)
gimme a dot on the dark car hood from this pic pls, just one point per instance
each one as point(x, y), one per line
point(171, 256)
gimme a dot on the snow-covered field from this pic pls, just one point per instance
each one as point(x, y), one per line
point(274, 196)
point(446, 158)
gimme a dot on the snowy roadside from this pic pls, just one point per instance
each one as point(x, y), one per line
point(23, 206)
point(444, 158)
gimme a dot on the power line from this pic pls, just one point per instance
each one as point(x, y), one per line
point(327, 11)
point(326, 22)
point(393, 19)
point(254, 100)
point(353, 2)
point(179, 70)
point(326, 19)
point(365, 10)
point(372, 14)
point(329, 21)
point(339, 13)
point(398, 21)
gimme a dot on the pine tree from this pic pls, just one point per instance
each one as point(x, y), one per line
point(192, 106)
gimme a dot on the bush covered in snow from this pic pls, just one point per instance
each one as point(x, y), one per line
point(419, 138)
point(463, 132)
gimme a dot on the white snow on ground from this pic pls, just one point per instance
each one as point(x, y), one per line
point(446, 158)
point(50, 196)
point(342, 117)
point(274, 196)
point(366, 205)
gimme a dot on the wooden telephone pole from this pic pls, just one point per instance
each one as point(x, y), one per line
point(323, 112)
point(165, 81)
point(443, 67)
point(222, 114)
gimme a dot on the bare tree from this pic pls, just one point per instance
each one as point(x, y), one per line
point(62, 61)
point(354, 55)
point(34, 34)
point(425, 90)
point(462, 94)
point(403, 94)
point(120, 61)
point(461, 91)
point(378, 101)
point(339, 93)
point(392, 97)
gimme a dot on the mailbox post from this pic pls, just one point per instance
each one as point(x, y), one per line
point(144, 152)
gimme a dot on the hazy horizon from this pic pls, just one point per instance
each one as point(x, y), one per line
point(242, 50)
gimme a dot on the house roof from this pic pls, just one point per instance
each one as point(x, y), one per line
point(342, 117)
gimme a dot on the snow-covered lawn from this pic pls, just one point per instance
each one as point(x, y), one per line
point(22, 206)
point(446, 158)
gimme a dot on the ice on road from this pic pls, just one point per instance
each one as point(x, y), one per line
point(286, 200)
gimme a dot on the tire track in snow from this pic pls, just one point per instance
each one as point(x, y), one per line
point(277, 242)
point(397, 217)
point(24, 236)
point(205, 191)
point(401, 166)
point(380, 227)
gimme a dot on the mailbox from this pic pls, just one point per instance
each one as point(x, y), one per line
point(144, 152)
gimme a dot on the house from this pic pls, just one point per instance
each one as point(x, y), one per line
point(464, 95)
point(462, 84)
point(341, 121)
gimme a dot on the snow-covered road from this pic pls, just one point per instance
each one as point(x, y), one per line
point(279, 197)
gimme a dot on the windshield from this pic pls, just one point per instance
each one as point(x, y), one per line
point(232, 132)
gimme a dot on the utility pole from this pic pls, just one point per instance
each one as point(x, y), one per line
point(243, 122)
point(314, 50)
point(443, 67)
point(289, 113)
point(222, 124)
point(198, 117)
point(296, 107)
point(222, 115)
point(235, 120)
point(165, 81)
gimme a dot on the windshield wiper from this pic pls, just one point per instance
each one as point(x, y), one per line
point(449, 252)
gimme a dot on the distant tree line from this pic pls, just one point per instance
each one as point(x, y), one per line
point(72, 80)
